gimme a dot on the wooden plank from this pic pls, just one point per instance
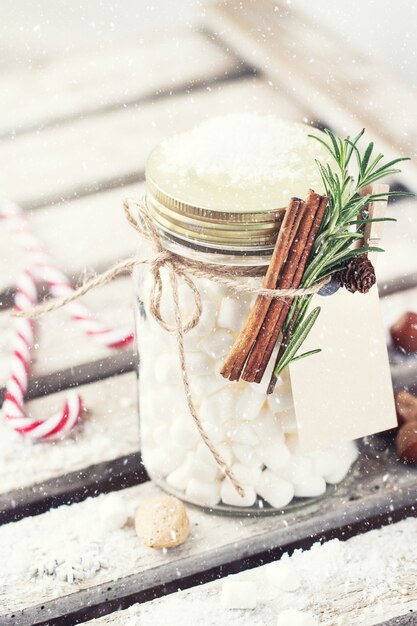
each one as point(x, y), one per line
point(119, 473)
point(327, 592)
point(61, 343)
point(379, 491)
point(108, 430)
point(304, 59)
point(405, 620)
point(61, 163)
point(97, 79)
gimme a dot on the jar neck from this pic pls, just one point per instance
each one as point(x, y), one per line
point(216, 256)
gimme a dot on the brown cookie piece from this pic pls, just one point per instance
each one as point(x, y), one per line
point(162, 522)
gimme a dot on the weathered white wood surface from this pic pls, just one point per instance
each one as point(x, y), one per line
point(327, 591)
point(69, 533)
point(311, 63)
point(87, 153)
point(109, 429)
point(90, 79)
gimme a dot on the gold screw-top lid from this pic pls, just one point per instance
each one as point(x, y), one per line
point(213, 228)
point(226, 183)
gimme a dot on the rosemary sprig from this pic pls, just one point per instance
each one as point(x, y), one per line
point(342, 225)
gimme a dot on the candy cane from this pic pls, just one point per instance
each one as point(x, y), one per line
point(58, 284)
point(56, 426)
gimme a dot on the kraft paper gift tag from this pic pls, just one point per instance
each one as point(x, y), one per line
point(345, 391)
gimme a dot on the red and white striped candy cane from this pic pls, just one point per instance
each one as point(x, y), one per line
point(45, 269)
point(56, 426)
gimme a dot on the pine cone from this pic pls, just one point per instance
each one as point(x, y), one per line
point(357, 275)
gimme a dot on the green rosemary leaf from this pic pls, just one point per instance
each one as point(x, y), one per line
point(299, 335)
point(381, 197)
point(352, 144)
point(374, 219)
point(367, 156)
point(349, 235)
point(305, 354)
point(325, 144)
point(345, 256)
point(334, 142)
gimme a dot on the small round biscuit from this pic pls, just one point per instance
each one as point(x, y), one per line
point(162, 522)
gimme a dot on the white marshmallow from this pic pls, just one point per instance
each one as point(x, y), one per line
point(207, 320)
point(249, 403)
point(311, 487)
point(348, 450)
point(267, 427)
point(206, 494)
point(232, 313)
point(275, 456)
point(184, 432)
point(203, 454)
point(246, 474)
point(160, 433)
point(346, 453)
point(246, 455)
point(292, 617)
point(204, 386)
point(276, 491)
point(324, 461)
point(243, 433)
point(178, 479)
point(160, 462)
point(283, 575)
point(112, 512)
point(298, 470)
point(238, 594)
point(281, 399)
point(199, 364)
point(163, 403)
point(167, 369)
point(229, 495)
point(220, 406)
point(338, 474)
point(215, 430)
point(211, 291)
point(218, 344)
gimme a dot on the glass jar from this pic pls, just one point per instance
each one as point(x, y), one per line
point(207, 217)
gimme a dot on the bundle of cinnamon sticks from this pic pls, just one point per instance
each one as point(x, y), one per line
point(255, 343)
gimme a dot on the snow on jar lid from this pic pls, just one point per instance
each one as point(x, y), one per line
point(227, 181)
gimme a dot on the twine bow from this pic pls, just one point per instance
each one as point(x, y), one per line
point(185, 269)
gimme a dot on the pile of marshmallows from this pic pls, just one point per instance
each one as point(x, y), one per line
point(255, 433)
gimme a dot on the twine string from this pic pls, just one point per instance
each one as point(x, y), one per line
point(186, 269)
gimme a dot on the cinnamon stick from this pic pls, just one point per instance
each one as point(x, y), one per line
point(236, 358)
point(291, 277)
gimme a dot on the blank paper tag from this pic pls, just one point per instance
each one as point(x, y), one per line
point(345, 391)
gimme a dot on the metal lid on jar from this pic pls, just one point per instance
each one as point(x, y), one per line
point(226, 183)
